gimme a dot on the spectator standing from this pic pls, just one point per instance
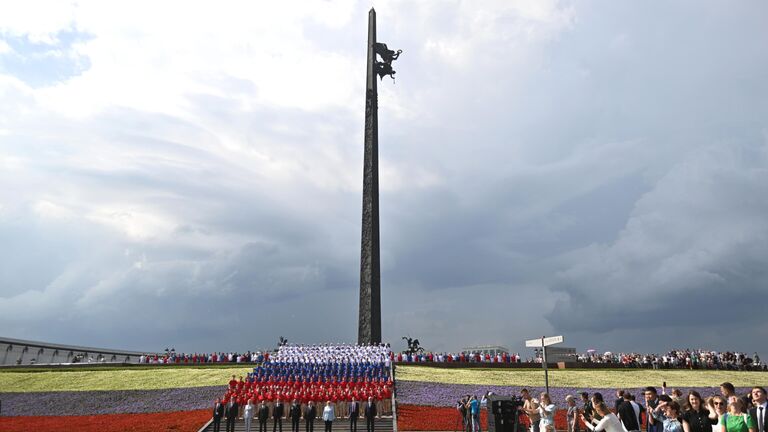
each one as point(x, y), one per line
point(531, 408)
point(354, 413)
point(729, 391)
point(231, 413)
point(717, 405)
point(218, 413)
point(597, 398)
point(248, 414)
point(328, 416)
point(464, 412)
point(586, 410)
point(629, 412)
point(696, 417)
point(759, 411)
point(370, 415)
point(736, 419)
point(651, 402)
point(572, 415)
point(310, 413)
point(474, 413)
point(263, 416)
point(295, 414)
point(619, 399)
point(547, 412)
point(608, 420)
point(669, 417)
point(277, 416)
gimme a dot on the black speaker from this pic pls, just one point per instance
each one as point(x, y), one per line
point(503, 414)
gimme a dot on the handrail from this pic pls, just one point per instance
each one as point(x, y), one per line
point(205, 426)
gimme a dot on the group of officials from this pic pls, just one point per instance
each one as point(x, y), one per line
point(229, 411)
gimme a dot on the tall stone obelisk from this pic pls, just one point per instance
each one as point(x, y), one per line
point(369, 322)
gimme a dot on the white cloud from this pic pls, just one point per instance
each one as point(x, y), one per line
point(5, 48)
point(530, 150)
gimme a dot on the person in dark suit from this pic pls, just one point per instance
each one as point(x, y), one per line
point(309, 417)
point(294, 412)
point(370, 415)
point(263, 416)
point(354, 413)
point(628, 412)
point(759, 410)
point(231, 413)
point(218, 413)
point(277, 416)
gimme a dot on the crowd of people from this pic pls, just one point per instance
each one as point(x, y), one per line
point(671, 411)
point(343, 379)
point(461, 357)
point(172, 357)
point(678, 358)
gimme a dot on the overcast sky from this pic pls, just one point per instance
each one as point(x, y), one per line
point(192, 177)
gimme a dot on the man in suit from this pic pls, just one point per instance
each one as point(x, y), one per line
point(263, 416)
point(759, 410)
point(295, 414)
point(231, 412)
point(309, 417)
point(218, 413)
point(370, 415)
point(277, 416)
point(354, 413)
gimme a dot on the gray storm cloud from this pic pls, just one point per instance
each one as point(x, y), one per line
point(592, 169)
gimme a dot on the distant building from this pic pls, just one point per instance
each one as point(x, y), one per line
point(487, 349)
point(558, 354)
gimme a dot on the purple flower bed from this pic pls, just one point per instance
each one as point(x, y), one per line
point(446, 395)
point(109, 402)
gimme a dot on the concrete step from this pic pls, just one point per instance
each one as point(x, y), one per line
point(383, 424)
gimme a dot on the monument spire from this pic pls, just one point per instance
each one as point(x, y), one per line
point(369, 322)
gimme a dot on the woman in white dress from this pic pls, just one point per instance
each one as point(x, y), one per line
point(608, 423)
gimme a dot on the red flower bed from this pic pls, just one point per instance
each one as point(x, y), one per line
point(429, 418)
point(181, 421)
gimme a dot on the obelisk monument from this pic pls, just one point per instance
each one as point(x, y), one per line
point(369, 322)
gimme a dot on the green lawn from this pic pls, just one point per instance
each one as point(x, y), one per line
point(582, 378)
point(116, 378)
point(160, 377)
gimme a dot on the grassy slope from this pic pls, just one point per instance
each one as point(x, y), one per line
point(582, 378)
point(176, 377)
point(117, 378)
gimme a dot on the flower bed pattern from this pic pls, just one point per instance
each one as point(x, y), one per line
point(446, 395)
point(156, 378)
point(182, 421)
point(426, 418)
point(109, 402)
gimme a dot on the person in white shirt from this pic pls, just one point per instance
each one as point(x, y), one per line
point(328, 416)
point(608, 423)
point(248, 415)
point(547, 412)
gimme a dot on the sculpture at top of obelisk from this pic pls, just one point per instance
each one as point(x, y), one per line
point(369, 322)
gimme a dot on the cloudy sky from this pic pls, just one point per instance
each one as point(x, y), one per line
point(188, 176)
